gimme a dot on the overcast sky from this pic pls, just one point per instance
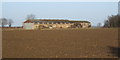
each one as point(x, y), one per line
point(60, 0)
point(94, 12)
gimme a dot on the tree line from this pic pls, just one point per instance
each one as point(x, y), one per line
point(4, 21)
point(112, 21)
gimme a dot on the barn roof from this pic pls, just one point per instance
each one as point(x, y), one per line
point(28, 21)
point(54, 20)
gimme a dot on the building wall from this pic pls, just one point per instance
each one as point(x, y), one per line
point(38, 25)
point(85, 25)
point(28, 25)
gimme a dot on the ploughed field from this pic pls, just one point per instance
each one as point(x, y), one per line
point(73, 43)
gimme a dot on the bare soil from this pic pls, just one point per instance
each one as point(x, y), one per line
point(74, 43)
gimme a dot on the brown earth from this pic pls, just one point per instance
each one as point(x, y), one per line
point(74, 43)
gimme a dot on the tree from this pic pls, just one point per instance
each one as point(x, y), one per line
point(106, 23)
point(30, 17)
point(10, 22)
point(3, 22)
point(99, 24)
point(113, 21)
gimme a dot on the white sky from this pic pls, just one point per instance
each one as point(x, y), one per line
point(60, 0)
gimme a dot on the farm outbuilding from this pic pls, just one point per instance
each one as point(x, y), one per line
point(54, 23)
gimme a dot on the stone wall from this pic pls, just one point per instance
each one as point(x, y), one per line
point(40, 26)
point(37, 26)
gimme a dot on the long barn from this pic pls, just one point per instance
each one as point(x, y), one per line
point(54, 23)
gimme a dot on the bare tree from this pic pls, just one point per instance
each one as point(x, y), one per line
point(10, 22)
point(3, 22)
point(106, 23)
point(99, 25)
point(113, 21)
point(30, 17)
